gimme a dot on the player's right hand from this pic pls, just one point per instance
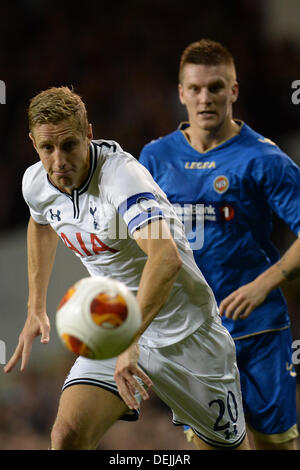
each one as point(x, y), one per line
point(126, 373)
point(35, 325)
point(240, 303)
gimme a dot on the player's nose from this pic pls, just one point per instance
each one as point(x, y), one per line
point(59, 158)
point(205, 96)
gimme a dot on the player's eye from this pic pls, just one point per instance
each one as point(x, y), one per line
point(68, 146)
point(216, 87)
point(46, 147)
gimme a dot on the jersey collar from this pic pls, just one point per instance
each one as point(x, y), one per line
point(185, 125)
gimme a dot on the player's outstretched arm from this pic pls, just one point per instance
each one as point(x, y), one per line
point(160, 271)
point(41, 249)
point(240, 303)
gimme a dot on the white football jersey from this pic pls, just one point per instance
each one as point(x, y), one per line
point(97, 223)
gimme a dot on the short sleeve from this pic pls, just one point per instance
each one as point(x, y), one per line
point(279, 179)
point(134, 194)
point(30, 191)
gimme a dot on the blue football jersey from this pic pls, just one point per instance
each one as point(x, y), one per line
point(226, 197)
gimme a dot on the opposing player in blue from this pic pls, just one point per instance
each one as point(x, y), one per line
point(225, 180)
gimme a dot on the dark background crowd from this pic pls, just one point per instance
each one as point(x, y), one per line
point(122, 57)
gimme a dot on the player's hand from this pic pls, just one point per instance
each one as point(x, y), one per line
point(35, 325)
point(126, 373)
point(241, 302)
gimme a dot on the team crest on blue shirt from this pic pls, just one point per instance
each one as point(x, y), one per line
point(221, 184)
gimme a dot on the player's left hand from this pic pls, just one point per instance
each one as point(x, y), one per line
point(35, 325)
point(126, 373)
point(241, 302)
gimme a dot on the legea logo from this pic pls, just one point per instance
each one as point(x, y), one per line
point(2, 92)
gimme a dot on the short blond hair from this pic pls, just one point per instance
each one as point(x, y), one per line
point(206, 52)
point(58, 104)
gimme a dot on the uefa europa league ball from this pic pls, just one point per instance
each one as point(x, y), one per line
point(98, 317)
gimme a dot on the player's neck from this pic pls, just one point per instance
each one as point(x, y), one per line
point(204, 140)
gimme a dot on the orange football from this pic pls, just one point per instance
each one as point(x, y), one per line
point(67, 296)
point(76, 346)
point(108, 312)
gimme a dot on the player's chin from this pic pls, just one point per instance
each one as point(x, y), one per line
point(208, 121)
point(65, 183)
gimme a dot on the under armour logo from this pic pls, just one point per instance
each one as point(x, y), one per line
point(57, 215)
point(92, 212)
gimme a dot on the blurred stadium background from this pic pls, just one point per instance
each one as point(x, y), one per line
point(122, 58)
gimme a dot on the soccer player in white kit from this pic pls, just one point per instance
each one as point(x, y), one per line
point(107, 209)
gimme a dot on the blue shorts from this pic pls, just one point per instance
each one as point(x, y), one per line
point(268, 383)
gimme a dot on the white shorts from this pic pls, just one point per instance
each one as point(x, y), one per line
point(197, 378)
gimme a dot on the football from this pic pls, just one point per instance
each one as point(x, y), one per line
point(97, 318)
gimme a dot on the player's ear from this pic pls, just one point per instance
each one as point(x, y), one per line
point(31, 136)
point(90, 132)
point(235, 92)
point(180, 92)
